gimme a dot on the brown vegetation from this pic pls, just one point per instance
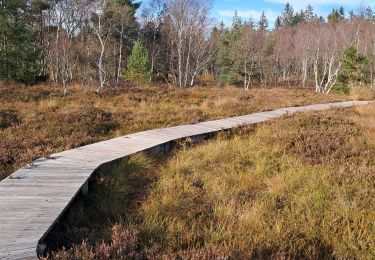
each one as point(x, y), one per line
point(37, 121)
point(300, 187)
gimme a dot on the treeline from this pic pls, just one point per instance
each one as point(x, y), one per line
point(302, 49)
point(101, 42)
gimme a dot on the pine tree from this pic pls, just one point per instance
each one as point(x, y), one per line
point(341, 12)
point(20, 55)
point(139, 68)
point(236, 23)
point(310, 16)
point(250, 23)
point(333, 17)
point(353, 69)
point(336, 15)
point(224, 61)
point(287, 17)
point(309, 13)
point(298, 18)
point(263, 22)
point(351, 15)
point(278, 22)
point(369, 14)
point(321, 20)
point(131, 29)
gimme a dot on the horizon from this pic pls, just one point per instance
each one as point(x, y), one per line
point(223, 10)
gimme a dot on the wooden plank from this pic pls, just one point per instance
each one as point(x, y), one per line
point(34, 197)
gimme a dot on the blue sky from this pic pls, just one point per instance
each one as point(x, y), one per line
point(224, 9)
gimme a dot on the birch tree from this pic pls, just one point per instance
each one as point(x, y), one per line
point(67, 16)
point(101, 24)
point(304, 44)
point(329, 43)
point(153, 19)
point(248, 49)
point(122, 14)
point(189, 39)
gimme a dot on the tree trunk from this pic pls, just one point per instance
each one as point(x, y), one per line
point(119, 64)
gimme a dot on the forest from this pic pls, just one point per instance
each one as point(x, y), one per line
point(102, 44)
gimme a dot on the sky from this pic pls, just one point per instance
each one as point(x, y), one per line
point(223, 10)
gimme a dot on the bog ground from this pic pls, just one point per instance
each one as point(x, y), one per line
point(289, 188)
point(300, 187)
point(37, 121)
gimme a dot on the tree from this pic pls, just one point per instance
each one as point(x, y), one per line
point(247, 53)
point(263, 22)
point(329, 41)
point(354, 67)
point(139, 69)
point(236, 21)
point(336, 15)
point(123, 15)
point(341, 12)
point(369, 14)
point(190, 47)
point(309, 14)
point(125, 31)
point(21, 56)
point(304, 44)
point(67, 17)
point(224, 60)
point(101, 23)
point(311, 17)
point(277, 22)
point(287, 17)
point(153, 35)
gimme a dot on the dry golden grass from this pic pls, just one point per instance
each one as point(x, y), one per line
point(37, 121)
point(365, 118)
point(299, 187)
point(362, 93)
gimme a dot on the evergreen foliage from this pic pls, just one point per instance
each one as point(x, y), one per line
point(354, 66)
point(263, 22)
point(336, 15)
point(139, 68)
point(278, 22)
point(20, 56)
point(225, 62)
point(287, 17)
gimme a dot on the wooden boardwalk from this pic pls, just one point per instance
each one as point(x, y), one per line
point(33, 198)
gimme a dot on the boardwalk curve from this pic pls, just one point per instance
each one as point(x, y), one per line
point(33, 198)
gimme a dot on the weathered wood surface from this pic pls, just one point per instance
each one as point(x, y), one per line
point(33, 198)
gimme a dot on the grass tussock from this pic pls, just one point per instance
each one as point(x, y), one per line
point(300, 187)
point(37, 121)
point(362, 92)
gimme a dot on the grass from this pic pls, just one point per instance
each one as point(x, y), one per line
point(37, 121)
point(299, 187)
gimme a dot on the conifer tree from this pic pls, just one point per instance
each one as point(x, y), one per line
point(20, 57)
point(139, 68)
point(341, 12)
point(278, 22)
point(287, 18)
point(354, 66)
point(237, 22)
point(263, 22)
point(310, 16)
point(369, 14)
point(336, 15)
